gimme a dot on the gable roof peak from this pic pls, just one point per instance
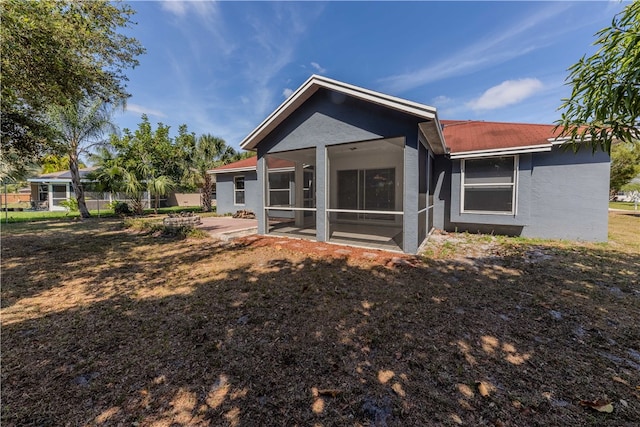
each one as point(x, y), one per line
point(316, 82)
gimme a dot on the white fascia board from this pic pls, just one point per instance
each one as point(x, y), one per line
point(565, 139)
point(311, 86)
point(231, 170)
point(287, 169)
point(501, 152)
point(50, 180)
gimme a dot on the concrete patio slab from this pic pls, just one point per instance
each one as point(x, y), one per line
point(226, 227)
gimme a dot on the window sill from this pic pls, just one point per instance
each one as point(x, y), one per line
point(501, 213)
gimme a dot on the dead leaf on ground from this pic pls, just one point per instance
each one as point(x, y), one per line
point(484, 388)
point(599, 405)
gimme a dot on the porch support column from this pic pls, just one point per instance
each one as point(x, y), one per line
point(321, 193)
point(260, 214)
point(299, 193)
point(410, 198)
point(50, 196)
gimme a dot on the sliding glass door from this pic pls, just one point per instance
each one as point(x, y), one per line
point(366, 189)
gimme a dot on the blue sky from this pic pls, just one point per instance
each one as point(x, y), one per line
point(222, 67)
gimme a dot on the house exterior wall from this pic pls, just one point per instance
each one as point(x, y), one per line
point(560, 195)
point(225, 193)
point(570, 195)
point(330, 118)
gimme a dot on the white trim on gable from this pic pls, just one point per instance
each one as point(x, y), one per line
point(315, 82)
point(231, 170)
point(501, 151)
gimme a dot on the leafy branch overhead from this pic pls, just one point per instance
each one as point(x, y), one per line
point(605, 100)
point(55, 53)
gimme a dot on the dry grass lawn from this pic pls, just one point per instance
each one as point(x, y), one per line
point(104, 326)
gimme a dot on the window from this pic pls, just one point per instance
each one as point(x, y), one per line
point(308, 191)
point(366, 189)
point(238, 190)
point(43, 193)
point(489, 185)
point(280, 188)
point(59, 194)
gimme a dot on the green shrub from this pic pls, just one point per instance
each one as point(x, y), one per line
point(120, 208)
point(71, 204)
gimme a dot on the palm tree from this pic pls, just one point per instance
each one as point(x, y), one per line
point(207, 153)
point(158, 186)
point(80, 126)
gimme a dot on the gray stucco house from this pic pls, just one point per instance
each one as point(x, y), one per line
point(343, 164)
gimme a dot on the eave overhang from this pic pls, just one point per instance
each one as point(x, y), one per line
point(501, 152)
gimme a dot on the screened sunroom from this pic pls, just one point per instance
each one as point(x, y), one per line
point(289, 194)
point(365, 193)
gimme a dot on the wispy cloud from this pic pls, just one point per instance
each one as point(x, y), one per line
point(177, 7)
point(286, 92)
point(208, 12)
point(318, 68)
point(494, 50)
point(139, 109)
point(259, 45)
point(180, 8)
point(506, 93)
point(441, 101)
point(275, 42)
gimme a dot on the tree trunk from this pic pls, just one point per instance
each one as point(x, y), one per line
point(156, 204)
point(206, 193)
point(77, 186)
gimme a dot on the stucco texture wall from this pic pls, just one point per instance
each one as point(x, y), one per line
point(570, 195)
point(561, 195)
point(225, 193)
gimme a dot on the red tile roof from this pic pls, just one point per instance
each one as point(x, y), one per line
point(248, 163)
point(469, 135)
point(251, 163)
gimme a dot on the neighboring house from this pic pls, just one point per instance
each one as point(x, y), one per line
point(343, 164)
point(50, 189)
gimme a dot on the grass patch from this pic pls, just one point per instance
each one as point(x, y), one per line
point(627, 206)
point(29, 216)
point(103, 326)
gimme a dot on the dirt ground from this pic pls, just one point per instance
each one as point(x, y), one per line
point(103, 326)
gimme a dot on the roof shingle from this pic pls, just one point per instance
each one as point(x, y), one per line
point(470, 135)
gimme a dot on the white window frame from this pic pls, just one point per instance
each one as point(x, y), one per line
point(236, 190)
point(514, 186)
point(288, 189)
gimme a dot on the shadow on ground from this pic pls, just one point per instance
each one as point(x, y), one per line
point(105, 327)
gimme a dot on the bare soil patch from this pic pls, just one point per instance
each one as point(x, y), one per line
point(103, 326)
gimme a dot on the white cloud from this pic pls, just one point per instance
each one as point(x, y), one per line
point(441, 100)
point(139, 109)
point(506, 93)
point(177, 7)
point(181, 7)
point(487, 52)
point(318, 68)
point(287, 92)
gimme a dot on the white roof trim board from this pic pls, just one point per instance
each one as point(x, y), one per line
point(242, 169)
point(53, 180)
point(501, 152)
point(316, 82)
point(248, 169)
